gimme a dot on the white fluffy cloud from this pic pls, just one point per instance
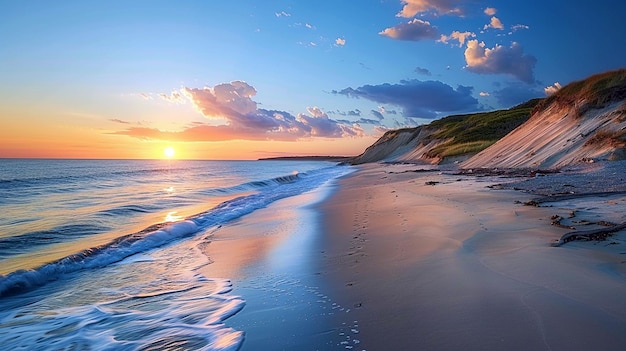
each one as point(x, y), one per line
point(500, 60)
point(490, 11)
point(243, 120)
point(456, 35)
point(494, 23)
point(552, 88)
point(413, 7)
point(340, 42)
point(413, 30)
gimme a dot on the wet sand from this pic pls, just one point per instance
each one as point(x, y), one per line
point(457, 266)
point(396, 260)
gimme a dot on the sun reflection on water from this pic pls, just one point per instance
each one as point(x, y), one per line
point(172, 217)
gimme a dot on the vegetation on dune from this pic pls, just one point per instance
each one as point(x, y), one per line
point(472, 133)
point(597, 91)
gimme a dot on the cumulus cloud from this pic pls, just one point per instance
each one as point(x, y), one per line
point(413, 30)
point(500, 60)
point(232, 103)
point(425, 99)
point(483, 93)
point(422, 71)
point(490, 11)
point(340, 42)
point(494, 23)
point(512, 94)
point(456, 35)
point(552, 89)
point(413, 7)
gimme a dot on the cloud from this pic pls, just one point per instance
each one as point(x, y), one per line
point(515, 93)
point(413, 30)
point(377, 114)
point(353, 113)
point(552, 89)
point(517, 27)
point(500, 60)
point(490, 11)
point(484, 93)
point(456, 35)
point(117, 120)
point(232, 104)
point(175, 97)
point(362, 121)
point(340, 42)
point(494, 23)
point(417, 98)
point(422, 71)
point(443, 7)
point(282, 14)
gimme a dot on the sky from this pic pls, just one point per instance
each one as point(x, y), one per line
point(249, 79)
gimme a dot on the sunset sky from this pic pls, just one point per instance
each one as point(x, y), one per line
point(248, 79)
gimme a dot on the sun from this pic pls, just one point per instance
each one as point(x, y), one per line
point(169, 152)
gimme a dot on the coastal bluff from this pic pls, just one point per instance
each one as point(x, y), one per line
point(582, 122)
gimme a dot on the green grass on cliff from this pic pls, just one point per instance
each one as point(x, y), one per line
point(475, 132)
point(597, 91)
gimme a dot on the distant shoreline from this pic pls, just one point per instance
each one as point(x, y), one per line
point(308, 158)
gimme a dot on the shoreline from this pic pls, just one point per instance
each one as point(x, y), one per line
point(392, 257)
point(439, 262)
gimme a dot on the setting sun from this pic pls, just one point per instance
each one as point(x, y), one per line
point(169, 152)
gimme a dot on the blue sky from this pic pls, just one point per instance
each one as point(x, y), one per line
point(332, 75)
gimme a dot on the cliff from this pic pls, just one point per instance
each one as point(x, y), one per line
point(446, 139)
point(585, 120)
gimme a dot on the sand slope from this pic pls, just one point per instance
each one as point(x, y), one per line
point(558, 136)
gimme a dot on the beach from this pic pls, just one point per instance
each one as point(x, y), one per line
point(373, 257)
point(398, 258)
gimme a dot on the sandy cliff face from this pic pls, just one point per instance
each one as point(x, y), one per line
point(584, 121)
point(559, 135)
point(401, 145)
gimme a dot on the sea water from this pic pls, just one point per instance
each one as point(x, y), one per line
point(104, 255)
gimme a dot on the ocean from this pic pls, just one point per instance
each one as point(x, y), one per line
point(106, 254)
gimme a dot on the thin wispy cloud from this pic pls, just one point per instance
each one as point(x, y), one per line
point(423, 71)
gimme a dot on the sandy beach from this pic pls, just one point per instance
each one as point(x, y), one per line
point(453, 265)
point(397, 259)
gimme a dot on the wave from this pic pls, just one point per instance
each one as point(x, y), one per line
point(22, 243)
point(165, 233)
